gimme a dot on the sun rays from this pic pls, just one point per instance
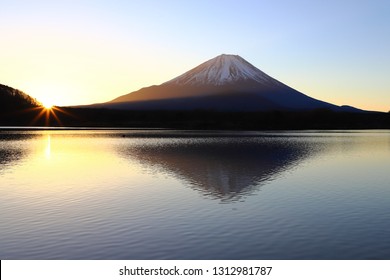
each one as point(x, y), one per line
point(49, 114)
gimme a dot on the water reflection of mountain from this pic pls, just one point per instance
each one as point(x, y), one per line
point(7, 156)
point(225, 168)
point(10, 150)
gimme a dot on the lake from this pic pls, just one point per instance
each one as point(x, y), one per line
point(161, 194)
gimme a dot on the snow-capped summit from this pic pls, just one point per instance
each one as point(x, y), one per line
point(224, 69)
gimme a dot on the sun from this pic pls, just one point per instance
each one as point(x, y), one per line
point(48, 105)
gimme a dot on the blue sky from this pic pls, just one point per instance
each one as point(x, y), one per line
point(81, 52)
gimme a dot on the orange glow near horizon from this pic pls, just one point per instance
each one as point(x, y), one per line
point(46, 113)
point(49, 114)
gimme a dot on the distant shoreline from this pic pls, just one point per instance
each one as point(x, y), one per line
point(99, 119)
point(44, 128)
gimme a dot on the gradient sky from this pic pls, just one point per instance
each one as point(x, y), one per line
point(83, 52)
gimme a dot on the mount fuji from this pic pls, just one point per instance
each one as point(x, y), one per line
point(224, 83)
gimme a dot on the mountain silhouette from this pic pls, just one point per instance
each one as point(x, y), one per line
point(224, 83)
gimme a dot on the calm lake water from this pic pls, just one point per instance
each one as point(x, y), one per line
point(154, 194)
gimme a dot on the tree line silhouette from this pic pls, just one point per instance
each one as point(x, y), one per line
point(273, 120)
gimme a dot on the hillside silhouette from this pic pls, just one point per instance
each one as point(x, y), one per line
point(12, 99)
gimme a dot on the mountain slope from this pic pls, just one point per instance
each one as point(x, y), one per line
point(225, 83)
point(12, 99)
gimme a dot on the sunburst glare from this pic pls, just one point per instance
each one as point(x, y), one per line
point(50, 115)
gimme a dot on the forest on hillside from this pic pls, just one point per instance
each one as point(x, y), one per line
point(13, 100)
